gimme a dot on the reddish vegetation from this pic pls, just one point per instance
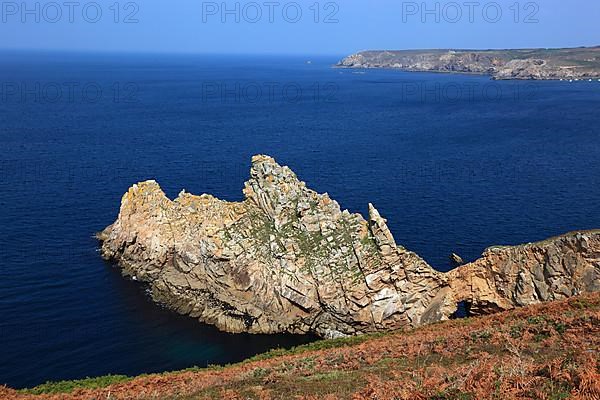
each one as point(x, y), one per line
point(547, 352)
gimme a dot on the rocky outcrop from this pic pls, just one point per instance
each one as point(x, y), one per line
point(287, 259)
point(576, 63)
point(456, 260)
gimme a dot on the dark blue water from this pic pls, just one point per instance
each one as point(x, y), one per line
point(456, 163)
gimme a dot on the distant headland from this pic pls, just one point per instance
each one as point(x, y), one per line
point(582, 63)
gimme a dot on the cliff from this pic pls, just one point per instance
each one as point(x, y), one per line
point(575, 63)
point(287, 259)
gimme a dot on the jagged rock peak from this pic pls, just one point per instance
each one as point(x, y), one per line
point(287, 259)
point(381, 232)
point(272, 187)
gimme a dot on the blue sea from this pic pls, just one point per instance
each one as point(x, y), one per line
point(456, 163)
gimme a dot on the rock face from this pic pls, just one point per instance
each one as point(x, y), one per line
point(287, 259)
point(576, 63)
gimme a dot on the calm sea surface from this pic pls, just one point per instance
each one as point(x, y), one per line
point(455, 163)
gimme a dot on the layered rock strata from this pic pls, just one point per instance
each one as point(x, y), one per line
point(288, 259)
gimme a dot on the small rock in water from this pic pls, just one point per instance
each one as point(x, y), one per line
point(456, 260)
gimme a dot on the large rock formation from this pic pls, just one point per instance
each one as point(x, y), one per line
point(287, 259)
point(575, 63)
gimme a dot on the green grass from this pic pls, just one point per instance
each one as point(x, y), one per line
point(581, 304)
point(104, 381)
point(318, 345)
point(69, 386)
point(452, 395)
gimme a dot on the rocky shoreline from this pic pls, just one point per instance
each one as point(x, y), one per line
point(287, 259)
point(531, 64)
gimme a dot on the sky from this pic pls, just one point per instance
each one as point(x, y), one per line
point(295, 27)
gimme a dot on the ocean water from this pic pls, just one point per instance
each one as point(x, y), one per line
point(455, 163)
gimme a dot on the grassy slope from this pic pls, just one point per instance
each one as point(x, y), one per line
point(549, 351)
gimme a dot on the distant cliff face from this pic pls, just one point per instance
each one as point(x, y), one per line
point(287, 259)
point(579, 63)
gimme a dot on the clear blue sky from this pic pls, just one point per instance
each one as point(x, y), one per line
point(197, 26)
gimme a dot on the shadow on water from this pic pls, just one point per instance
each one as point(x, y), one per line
point(187, 342)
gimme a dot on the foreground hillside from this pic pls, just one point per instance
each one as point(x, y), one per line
point(569, 63)
point(547, 351)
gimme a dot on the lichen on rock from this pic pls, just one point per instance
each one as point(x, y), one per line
point(288, 259)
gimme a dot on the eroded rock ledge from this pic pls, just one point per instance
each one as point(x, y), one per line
point(287, 259)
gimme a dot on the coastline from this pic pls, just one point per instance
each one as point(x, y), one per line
point(576, 64)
